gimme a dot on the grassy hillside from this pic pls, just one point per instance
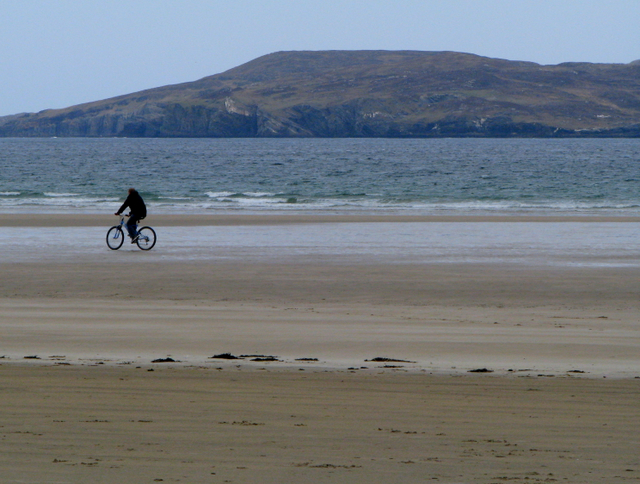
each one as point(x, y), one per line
point(366, 93)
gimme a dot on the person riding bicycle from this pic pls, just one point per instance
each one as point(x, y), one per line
point(138, 211)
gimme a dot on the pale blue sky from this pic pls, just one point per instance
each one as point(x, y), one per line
point(57, 53)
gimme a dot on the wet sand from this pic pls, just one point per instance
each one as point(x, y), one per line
point(168, 220)
point(555, 400)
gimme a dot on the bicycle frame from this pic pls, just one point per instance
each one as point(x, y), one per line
point(123, 225)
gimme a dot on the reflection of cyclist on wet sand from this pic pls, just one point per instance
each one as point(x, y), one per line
point(138, 212)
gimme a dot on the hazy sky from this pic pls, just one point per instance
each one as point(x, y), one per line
point(57, 53)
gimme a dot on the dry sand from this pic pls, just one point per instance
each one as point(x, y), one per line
point(127, 425)
point(560, 403)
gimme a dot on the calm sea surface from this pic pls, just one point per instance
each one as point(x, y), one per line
point(441, 176)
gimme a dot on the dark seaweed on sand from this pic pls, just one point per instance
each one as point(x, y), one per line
point(380, 359)
point(164, 360)
point(225, 356)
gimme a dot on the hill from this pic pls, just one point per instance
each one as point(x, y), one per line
point(366, 94)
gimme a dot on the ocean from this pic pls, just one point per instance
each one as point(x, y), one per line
point(363, 176)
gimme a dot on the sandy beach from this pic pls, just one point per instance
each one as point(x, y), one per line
point(498, 349)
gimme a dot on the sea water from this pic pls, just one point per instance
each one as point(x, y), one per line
point(406, 176)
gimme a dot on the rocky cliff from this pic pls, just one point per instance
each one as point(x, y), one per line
point(366, 94)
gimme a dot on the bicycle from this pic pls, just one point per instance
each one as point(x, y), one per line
point(145, 239)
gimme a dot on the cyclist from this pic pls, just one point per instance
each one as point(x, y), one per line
point(138, 211)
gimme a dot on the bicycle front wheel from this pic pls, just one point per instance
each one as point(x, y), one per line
point(146, 238)
point(115, 237)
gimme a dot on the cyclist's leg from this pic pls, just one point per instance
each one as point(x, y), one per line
point(131, 225)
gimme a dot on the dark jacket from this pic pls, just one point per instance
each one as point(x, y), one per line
point(136, 204)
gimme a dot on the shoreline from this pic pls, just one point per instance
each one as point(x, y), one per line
point(174, 220)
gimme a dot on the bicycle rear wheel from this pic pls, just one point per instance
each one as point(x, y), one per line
point(115, 237)
point(146, 238)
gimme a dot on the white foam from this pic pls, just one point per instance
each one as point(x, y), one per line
point(220, 194)
point(10, 201)
point(54, 195)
